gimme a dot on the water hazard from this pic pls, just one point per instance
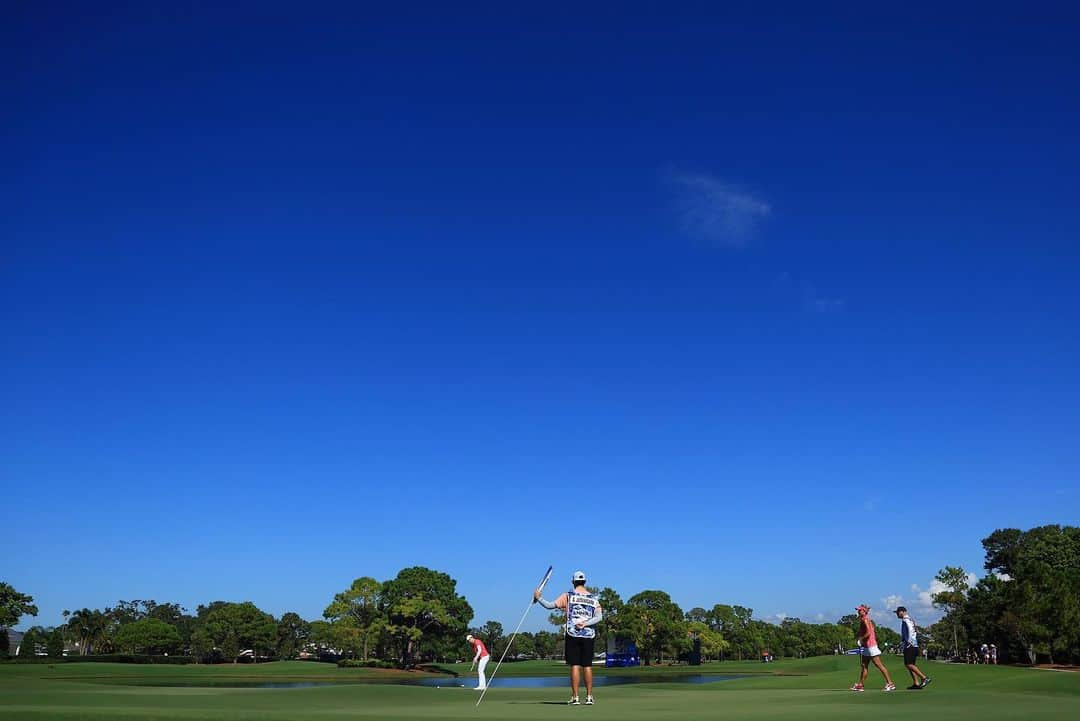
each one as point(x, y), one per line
point(560, 681)
point(460, 682)
point(243, 684)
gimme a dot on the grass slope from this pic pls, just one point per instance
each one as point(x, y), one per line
point(809, 689)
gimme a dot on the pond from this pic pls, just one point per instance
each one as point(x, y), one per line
point(558, 681)
point(459, 682)
point(238, 684)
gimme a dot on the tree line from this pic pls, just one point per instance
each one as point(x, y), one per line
point(416, 616)
point(661, 630)
point(1028, 604)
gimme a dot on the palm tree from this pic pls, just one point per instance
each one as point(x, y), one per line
point(88, 628)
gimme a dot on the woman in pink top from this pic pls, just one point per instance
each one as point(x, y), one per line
point(482, 657)
point(870, 651)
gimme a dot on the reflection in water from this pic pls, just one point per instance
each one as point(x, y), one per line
point(451, 682)
point(552, 681)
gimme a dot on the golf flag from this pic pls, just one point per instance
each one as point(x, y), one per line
point(545, 579)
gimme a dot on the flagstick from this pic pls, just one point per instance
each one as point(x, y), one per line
point(511, 641)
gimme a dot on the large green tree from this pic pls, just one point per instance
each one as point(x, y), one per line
point(545, 642)
point(185, 625)
point(358, 615)
point(836, 637)
point(793, 638)
point(54, 644)
point(986, 616)
point(735, 624)
point(147, 635)
point(655, 622)
point(951, 598)
point(232, 628)
point(712, 641)
point(293, 634)
point(608, 628)
point(697, 614)
point(89, 628)
point(130, 611)
point(170, 613)
point(1040, 569)
point(31, 641)
point(126, 612)
point(14, 605)
point(322, 636)
point(426, 615)
point(524, 645)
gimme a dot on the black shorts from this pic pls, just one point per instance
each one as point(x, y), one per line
point(579, 651)
point(911, 655)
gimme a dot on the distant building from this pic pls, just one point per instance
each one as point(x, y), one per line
point(14, 639)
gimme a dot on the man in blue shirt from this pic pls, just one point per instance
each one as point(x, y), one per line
point(909, 644)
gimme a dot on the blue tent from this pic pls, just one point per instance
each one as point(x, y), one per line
point(627, 656)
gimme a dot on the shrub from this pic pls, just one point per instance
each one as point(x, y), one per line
point(131, 658)
point(370, 663)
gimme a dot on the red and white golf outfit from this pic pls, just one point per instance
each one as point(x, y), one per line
point(481, 659)
point(870, 648)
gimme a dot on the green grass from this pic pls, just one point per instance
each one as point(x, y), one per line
point(807, 689)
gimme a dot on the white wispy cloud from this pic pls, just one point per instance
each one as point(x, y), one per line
point(891, 602)
point(714, 210)
point(920, 603)
point(918, 600)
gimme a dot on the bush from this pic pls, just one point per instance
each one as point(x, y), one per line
point(130, 658)
point(370, 663)
point(55, 645)
point(436, 668)
point(28, 646)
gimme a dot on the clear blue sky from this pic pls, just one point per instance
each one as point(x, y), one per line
point(771, 306)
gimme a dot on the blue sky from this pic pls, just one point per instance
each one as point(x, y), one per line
point(754, 305)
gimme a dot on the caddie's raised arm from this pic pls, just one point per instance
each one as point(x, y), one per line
point(549, 605)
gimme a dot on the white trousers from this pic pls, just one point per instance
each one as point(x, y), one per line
point(480, 669)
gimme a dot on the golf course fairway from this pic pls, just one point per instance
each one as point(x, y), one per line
point(814, 688)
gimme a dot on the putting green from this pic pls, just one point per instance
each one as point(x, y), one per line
point(809, 689)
